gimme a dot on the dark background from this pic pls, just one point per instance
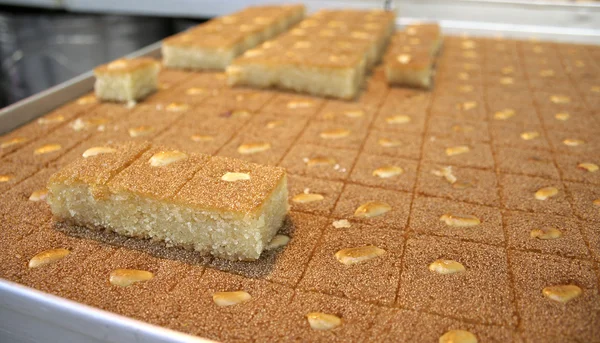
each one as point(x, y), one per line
point(41, 48)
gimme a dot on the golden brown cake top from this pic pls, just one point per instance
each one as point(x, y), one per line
point(127, 65)
point(431, 30)
point(231, 184)
point(224, 32)
point(415, 59)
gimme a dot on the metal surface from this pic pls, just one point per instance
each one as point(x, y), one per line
point(29, 315)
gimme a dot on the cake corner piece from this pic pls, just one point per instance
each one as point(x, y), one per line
point(126, 80)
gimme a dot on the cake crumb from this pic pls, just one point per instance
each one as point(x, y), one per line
point(341, 224)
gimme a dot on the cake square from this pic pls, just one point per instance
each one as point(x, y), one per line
point(126, 80)
point(525, 193)
point(570, 121)
point(532, 272)
point(459, 183)
point(373, 207)
point(458, 220)
point(26, 201)
point(459, 129)
point(584, 200)
point(334, 135)
point(500, 112)
point(360, 281)
point(313, 195)
point(276, 126)
point(578, 168)
point(319, 162)
point(206, 140)
point(168, 195)
point(481, 292)
point(239, 99)
point(236, 207)
point(257, 148)
point(327, 54)
point(522, 228)
point(283, 264)
point(214, 44)
point(526, 162)
point(395, 325)
point(526, 136)
point(293, 105)
point(341, 112)
point(582, 143)
point(47, 149)
point(356, 319)
point(393, 145)
point(13, 173)
point(385, 172)
point(226, 323)
point(458, 153)
point(410, 120)
point(413, 68)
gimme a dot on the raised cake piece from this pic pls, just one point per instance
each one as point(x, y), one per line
point(221, 206)
point(214, 44)
point(327, 54)
point(410, 58)
point(429, 33)
point(126, 80)
point(413, 69)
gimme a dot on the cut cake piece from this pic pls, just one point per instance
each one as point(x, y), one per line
point(414, 69)
point(126, 80)
point(214, 44)
point(410, 58)
point(327, 54)
point(215, 205)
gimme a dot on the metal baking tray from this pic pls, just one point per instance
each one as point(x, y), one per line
point(28, 315)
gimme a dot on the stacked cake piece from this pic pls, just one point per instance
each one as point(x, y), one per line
point(327, 54)
point(410, 58)
point(214, 44)
point(215, 205)
point(126, 80)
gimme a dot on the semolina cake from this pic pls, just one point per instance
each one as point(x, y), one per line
point(214, 205)
point(126, 80)
point(465, 212)
point(327, 54)
point(410, 59)
point(214, 44)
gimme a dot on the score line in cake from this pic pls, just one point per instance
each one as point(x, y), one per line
point(221, 206)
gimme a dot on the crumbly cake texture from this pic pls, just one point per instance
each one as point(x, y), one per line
point(214, 44)
point(388, 146)
point(126, 80)
point(214, 205)
point(410, 59)
point(328, 54)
